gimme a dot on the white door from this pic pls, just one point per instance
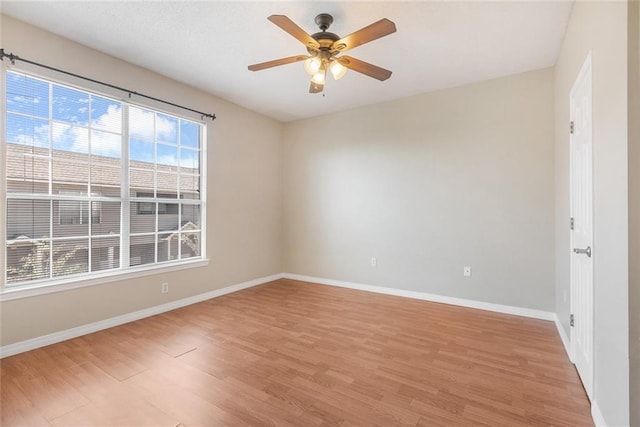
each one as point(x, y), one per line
point(582, 251)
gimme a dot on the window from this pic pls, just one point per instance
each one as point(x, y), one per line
point(94, 184)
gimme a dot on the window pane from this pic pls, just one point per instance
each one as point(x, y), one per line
point(189, 245)
point(70, 257)
point(190, 217)
point(106, 218)
point(142, 250)
point(18, 186)
point(189, 134)
point(141, 153)
point(167, 247)
point(168, 184)
point(69, 138)
point(166, 128)
point(189, 161)
point(142, 217)
point(105, 253)
point(190, 186)
point(27, 261)
point(102, 175)
point(105, 144)
point(142, 179)
point(26, 173)
point(167, 155)
point(65, 173)
point(27, 131)
point(70, 105)
point(27, 95)
point(106, 114)
point(167, 216)
point(141, 124)
point(28, 218)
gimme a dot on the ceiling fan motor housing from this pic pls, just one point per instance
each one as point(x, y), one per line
point(324, 38)
point(324, 21)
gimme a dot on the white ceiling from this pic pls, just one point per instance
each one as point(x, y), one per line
point(209, 44)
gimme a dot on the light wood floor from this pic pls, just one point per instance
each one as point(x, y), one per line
point(296, 354)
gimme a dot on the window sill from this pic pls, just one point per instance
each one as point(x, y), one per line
point(27, 291)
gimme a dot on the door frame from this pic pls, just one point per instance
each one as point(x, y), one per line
point(585, 70)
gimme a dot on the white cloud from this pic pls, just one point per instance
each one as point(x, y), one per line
point(39, 138)
point(141, 125)
point(111, 120)
point(76, 138)
point(69, 138)
point(21, 99)
point(106, 144)
point(167, 160)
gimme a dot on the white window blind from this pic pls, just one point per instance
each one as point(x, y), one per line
point(95, 184)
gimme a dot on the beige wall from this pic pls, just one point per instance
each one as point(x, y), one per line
point(244, 196)
point(599, 27)
point(634, 210)
point(427, 185)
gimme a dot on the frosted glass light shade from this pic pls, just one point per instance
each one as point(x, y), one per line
point(312, 65)
point(337, 70)
point(319, 77)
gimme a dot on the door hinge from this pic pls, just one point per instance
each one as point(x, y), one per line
point(571, 320)
point(571, 127)
point(572, 223)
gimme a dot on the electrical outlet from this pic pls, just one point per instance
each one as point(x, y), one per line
point(467, 271)
point(374, 262)
point(165, 288)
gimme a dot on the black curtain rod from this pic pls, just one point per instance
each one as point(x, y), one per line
point(13, 58)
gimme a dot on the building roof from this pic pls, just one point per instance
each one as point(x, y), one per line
point(30, 165)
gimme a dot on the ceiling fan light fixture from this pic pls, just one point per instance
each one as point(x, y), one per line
point(319, 77)
point(324, 47)
point(337, 69)
point(312, 65)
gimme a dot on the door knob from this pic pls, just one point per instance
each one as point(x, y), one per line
point(583, 251)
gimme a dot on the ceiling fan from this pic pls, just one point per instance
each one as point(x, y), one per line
point(324, 49)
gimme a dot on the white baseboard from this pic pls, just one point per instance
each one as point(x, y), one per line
point(563, 336)
point(499, 308)
point(596, 415)
point(33, 343)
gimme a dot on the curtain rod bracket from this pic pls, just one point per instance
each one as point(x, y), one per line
point(11, 56)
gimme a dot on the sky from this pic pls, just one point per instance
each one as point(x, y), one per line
point(82, 122)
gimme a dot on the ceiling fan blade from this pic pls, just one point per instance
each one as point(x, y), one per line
point(292, 28)
point(378, 29)
point(315, 88)
point(276, 62)
point(364, 68)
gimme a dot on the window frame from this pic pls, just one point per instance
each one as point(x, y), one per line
point(123, 272)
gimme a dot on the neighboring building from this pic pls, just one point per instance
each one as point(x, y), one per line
point(155, 225)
